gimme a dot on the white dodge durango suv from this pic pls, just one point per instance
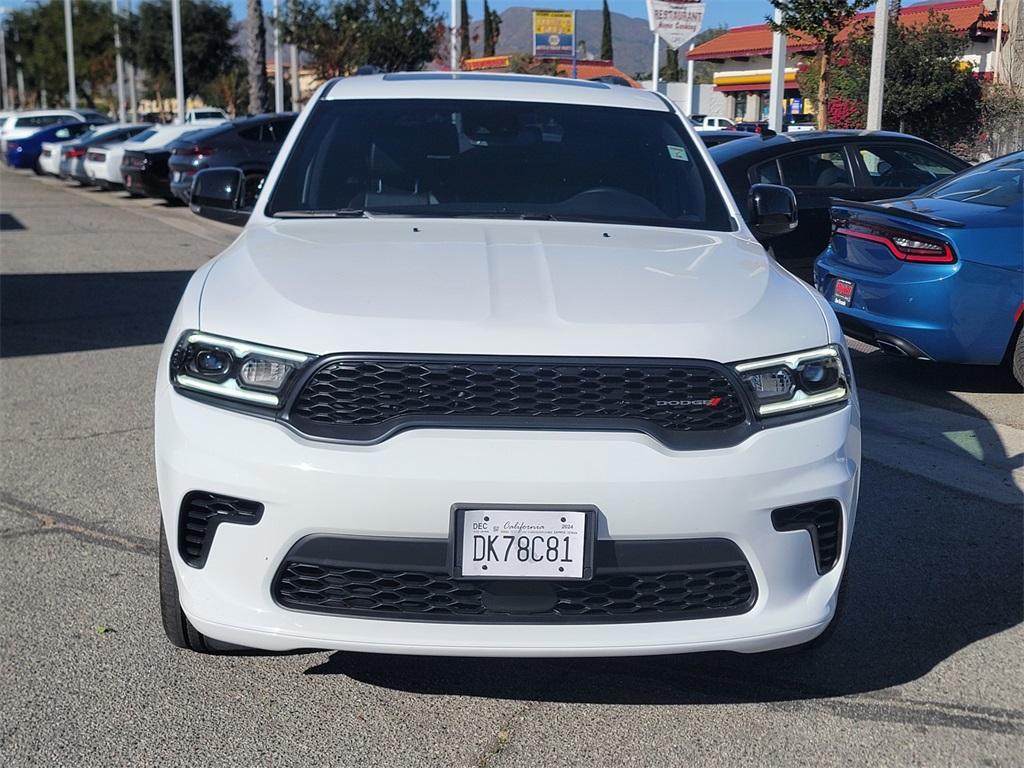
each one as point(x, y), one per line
point(497, 367)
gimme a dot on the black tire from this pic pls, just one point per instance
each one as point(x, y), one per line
point(37, 168)
point(177, 627)
point(1017, 359)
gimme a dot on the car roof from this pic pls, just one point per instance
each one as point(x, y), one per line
point(780, 143)
point(491, 87)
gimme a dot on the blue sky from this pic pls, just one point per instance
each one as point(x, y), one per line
point(732, 12)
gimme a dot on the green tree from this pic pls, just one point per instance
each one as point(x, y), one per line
point(206, 32)
point(492, 29)
point(823, 20)
point(925, 76)
point(607, 49)
point(670, 72)
point(36, 33)
point(340, 35)
point(465, 45)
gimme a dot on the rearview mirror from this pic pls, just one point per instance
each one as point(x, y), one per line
point(221, 194)
point(772, 210)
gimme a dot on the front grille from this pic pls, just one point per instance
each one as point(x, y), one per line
point(201, 513)
point(366, 399)
point(636, 597)
point(823, 520)
point(666, 580)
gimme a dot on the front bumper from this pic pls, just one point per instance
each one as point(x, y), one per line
point(406, 486)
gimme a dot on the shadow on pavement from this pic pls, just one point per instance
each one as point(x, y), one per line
point(44, 314)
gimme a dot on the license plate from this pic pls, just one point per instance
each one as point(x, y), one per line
point(524, 544)
point(842, 294)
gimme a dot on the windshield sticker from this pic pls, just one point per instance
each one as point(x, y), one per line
point(676, 153)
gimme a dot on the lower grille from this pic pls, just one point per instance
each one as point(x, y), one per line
point(823, 520)
point(363, 399)
point(201, 513)
point(631, 593)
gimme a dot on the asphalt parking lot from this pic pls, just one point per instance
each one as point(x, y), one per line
point(928, 668)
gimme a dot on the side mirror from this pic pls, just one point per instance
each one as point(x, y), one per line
point(221, 194)
point(772, 210)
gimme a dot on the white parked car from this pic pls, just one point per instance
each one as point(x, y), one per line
point(205, 113)
point(474, 381)
point(50, 154)
point(712, 123)
point(103, 163)
point(18, 125)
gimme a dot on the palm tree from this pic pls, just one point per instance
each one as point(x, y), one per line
point(256, 59)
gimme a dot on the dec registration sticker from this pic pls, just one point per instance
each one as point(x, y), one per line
point(505, 543)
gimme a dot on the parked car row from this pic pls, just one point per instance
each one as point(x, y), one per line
point(145, 159)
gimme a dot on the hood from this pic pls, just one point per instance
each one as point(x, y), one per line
point(506, 287)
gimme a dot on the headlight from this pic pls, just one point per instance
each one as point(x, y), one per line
point(233, 369)
point(798, 381)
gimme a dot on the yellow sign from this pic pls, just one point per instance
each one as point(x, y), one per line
point(554, 34)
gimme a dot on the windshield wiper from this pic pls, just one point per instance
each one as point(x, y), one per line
point(522, 215)
point(335, 213)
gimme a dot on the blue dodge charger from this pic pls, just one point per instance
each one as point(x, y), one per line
point(938, 275)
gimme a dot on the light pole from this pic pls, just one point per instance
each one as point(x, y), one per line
point(179, 75)
point(293, 56)
point(278, 74)
point(876, 88)
point(3, 61)
point(118, 62)
point(657, 61)
point(69, 40)
point(777, 86)
point(132, 101)
point(689, 83)
point(996, 71)
point(456, 24)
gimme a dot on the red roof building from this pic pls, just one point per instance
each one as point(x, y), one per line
point(744, 53)
point(586, 69)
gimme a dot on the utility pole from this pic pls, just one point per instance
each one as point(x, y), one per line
point(132, 101)
point(69, 40)
point(293, 55)
point(689, 83)
point(179, 75)
point(278, 74)
point(118, 62)
point(777, 86)
point(3, 63)
point(657, 63)
point(876, 89)
point(456, 20)
point(996, 70)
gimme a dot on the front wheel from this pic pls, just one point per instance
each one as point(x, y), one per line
point(177, 627)
point(1017, 359)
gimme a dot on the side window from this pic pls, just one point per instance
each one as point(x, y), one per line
point(766, 173)
point(826, 168)
point(277, 131)
point(251, 134)
point(62, 133)
point(903, 168)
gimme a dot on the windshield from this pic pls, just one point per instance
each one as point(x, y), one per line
point(454, 158)
point(999, 183)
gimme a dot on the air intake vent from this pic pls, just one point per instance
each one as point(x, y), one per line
point(201, 513)
point(823, 520)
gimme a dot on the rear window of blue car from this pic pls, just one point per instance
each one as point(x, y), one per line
point(999, 183)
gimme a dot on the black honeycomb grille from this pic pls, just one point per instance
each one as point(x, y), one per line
point(823, 520)
point(698, 593)
point(366, 399)
point(201, 513)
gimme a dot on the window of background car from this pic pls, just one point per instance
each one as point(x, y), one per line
point(767, 173)
point(144, 135)
point(824, 168)
point(905, 168)
point(452, 158)
point(275, 131)
point(40, 121)
point(999, 183)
